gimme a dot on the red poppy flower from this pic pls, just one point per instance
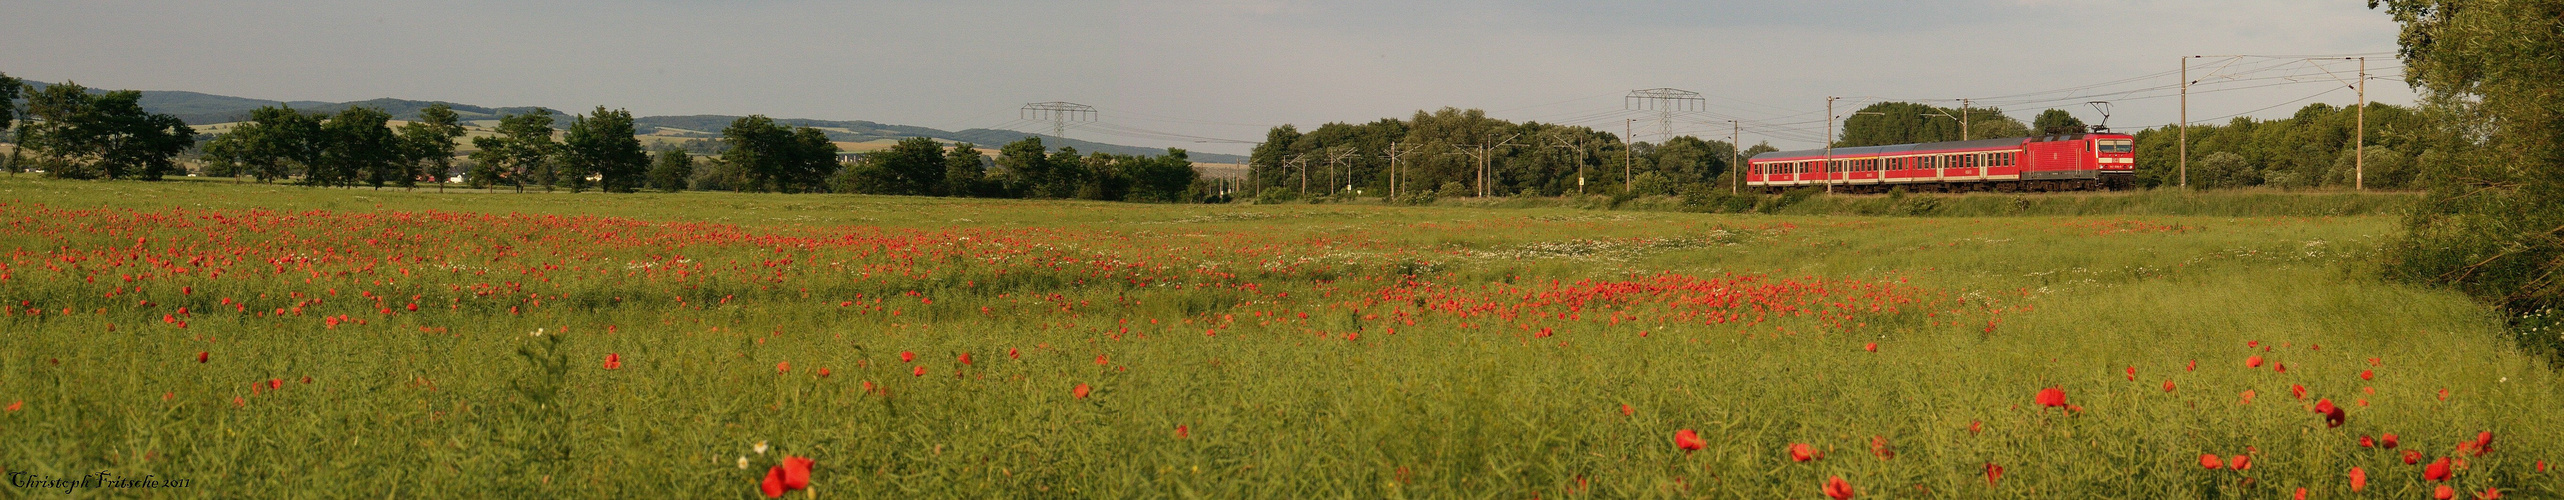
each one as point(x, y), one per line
point(1625, 410)
point(823, 372)
point(1080, 391)
point(2241, 462)
point(920, 371)
point(2443, 492)
point(2541, 466)
point(2301, 494)
point(2483, 443)
point(2132, 374)
point(2366, 442)
point(2167, 385)
point(965, 358)
point(1992, 473)
point(1011, 354)
point(796, 472)
point(1688, 441)
point(1100, 361)
point(907, 357)
point(2297, 390)
point(2052, 397)
point(19, 405)
point(1182, 432)
point(772, 486)
point(201, 356)
point(2443, 394)
point(2194, 366)
point(2437, 470)
point(613, 361)
point(2412, 457)
point(1838, 489)
point(2358, 479)
point(2490, 493)
point(2367, 374)
point(2388, 441)
point(275, 383)
point(1801, 452)
point(2247, 396)
point(1976, 426)
point(2333, 415)
point(2252, 362)
point(2280, 367)
point(2209, 461)
point(783, 367)
point(1871, 347)
point(1878, 446)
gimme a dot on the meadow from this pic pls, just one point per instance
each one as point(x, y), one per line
point(280, 341)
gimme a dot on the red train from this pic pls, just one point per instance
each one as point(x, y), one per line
point(2045, 163)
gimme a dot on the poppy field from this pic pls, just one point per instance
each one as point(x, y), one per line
point(274, 341)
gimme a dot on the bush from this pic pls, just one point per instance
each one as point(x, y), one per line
point(1274, 195)
point(1787, 198)
point(1651, 184)
point(1453, 189)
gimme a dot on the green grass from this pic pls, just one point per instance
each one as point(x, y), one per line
point(1653, 310)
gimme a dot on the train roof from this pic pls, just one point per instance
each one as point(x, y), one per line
point(1895, 148)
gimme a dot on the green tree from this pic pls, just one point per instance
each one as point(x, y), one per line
point(1025, 170)
point(522, 152)
point(603, 143)
point(360, 147)
point(1163, 178)
point(2057, 122)
point(913, 166)
point(274, 144)
point(80, 136)
point(429, 142)
point(2492, 223)
point(671, 170)
point(965, 171)
point(771, 157)
point(9, 90)
point(1069, 174)
point(758, 148)
point(812, 159)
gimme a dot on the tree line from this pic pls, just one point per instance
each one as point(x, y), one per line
point(1452, 152)
point(70, 133)
point(2316, 148)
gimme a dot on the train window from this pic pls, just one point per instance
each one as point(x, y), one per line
point(2117, 145)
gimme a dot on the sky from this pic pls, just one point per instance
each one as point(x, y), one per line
point(1215, 75)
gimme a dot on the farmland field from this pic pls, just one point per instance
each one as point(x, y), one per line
point(269, 341)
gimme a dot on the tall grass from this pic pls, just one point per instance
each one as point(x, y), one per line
point(1307, 350)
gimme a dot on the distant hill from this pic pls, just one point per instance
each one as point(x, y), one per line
point(864, 131)
point(199, 108)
